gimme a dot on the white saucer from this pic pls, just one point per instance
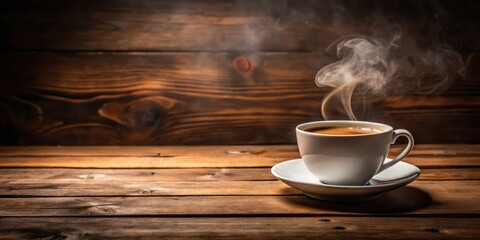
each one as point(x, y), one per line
point(295, 174)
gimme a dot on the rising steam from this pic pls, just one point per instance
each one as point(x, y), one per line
point(384, 66)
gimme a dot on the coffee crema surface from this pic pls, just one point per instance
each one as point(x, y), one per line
point(343, 130)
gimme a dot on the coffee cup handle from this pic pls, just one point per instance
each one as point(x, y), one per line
point(397, 133)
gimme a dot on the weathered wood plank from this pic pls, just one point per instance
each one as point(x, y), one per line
point(226, 25)
point(429, 156)
point(165, 182)
point(180, 161)
point(159, 175)
point(197, 151)
point(244, 228)
point(121, 176)
point(150, 162)
point(55, 188)
point(171, 98)
point(421, 197)
point(176, 98)
point(444, 174)
point(420, 150)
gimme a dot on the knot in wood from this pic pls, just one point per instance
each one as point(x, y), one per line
point(242, 64)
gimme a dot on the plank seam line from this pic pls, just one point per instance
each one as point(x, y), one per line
point(280, 215)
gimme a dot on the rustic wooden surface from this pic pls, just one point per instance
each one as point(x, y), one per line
point(201, 98)
point(212, 25)
point(164, 72)
point(221, 192)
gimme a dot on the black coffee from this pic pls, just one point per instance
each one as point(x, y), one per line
point(343, 130)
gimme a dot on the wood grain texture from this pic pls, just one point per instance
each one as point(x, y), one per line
point(227, 25)
point(419, 198)
point(122, 176)
point(225, 203)
point(201, 98)
point(331, 227)
point(229, 72)
point(211, 156)
point(165, 182)
point(55, 188)
point(180, 161)
point(290, 151)
point(146, 175)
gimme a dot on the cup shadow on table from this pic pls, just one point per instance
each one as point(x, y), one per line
point(402, 200)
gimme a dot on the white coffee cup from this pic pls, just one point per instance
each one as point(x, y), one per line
point(348, 159)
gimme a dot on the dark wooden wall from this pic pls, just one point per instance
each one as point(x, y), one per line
point(107, 72)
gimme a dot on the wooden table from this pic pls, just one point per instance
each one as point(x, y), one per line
point(222, 192)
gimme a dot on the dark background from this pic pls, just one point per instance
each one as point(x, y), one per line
point(212, 72)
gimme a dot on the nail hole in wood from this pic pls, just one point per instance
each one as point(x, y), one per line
point(339, 228)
